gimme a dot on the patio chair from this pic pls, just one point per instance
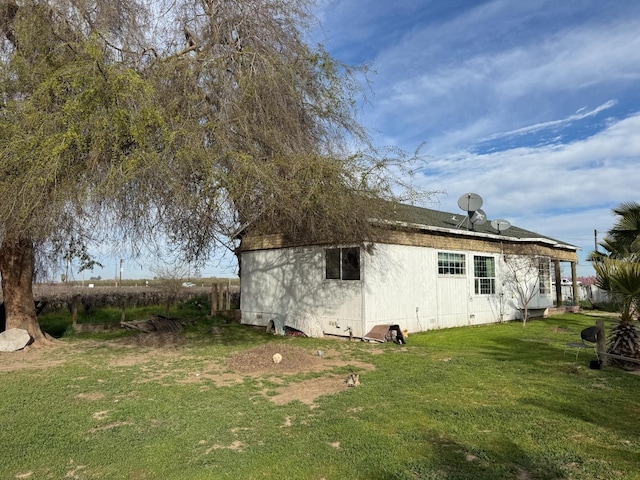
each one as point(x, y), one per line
point(589, 339)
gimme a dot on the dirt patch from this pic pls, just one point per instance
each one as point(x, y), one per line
point(31, 358)
point(523, 475)
point(90, 396)
point(328, 367)
point(308, 391)
point(235, 445)
point(295, 360)
point(110, 426)
point(259, 360)
point(57, 353)
point(100, 415)
point(600, 313)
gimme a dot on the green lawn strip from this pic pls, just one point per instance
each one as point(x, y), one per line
point(488, 402)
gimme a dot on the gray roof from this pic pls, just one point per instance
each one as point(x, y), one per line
point(419, 216)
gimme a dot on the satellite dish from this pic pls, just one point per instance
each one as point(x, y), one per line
point(500, 225)
point(470, 202)
point(478, 217)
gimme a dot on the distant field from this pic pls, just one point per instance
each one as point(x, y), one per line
point(63, 292)
point(110, 282)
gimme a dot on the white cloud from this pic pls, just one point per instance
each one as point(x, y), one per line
point(510, 99)
point(565, 191)
point(456, 82)
point(597, 170)
point(580, 115)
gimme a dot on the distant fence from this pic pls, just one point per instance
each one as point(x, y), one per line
point(223, 295)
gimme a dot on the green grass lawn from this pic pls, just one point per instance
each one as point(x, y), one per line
point(490, 402)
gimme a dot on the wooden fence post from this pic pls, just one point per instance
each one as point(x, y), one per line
point(74, 312)
point(214, 298)
point(220, 296)
point(601, 342)
point(229, 295)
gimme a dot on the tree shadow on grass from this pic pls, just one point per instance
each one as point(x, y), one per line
point(544, 343)
point(593, 410)
point(450, 460)
point(230, 335)
point(521, 350)
point(611, 437)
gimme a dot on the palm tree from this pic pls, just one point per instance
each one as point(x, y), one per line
point(611, 250)
point(618, 272)
point(623, 240)
point(621, 278)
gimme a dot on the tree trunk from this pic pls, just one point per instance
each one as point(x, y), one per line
point(17, 259)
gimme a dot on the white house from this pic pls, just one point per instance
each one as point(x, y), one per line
point(425, 270)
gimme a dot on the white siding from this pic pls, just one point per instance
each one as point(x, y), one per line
point(402, 286)
point(290, 284)
point(399, 285)
point(453, 300)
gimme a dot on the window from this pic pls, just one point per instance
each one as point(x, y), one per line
point(544, 275)
point(451, 263)
point(332, 267)
point(484, 269)
point(342, 263)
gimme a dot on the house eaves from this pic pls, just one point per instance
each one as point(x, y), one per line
point(473, 233)
point(436, 221)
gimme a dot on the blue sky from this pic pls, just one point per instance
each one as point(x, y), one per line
point(533, 105)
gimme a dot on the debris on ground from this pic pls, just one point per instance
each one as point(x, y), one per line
point(386, 333)
point(158, 323)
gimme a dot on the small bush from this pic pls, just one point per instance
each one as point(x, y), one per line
point(198, 304)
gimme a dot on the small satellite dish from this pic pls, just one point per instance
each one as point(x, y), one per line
point(478, 217)
point(470, 202)
point(500, 225)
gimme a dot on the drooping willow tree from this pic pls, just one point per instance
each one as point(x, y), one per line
point(188, 120)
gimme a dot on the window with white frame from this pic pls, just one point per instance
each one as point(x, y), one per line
point(484, 272)
point(451, 263)
point(342, 263)
point(544, 275)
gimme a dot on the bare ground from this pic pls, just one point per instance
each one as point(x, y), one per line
point(290, 376)
point(258, 362)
